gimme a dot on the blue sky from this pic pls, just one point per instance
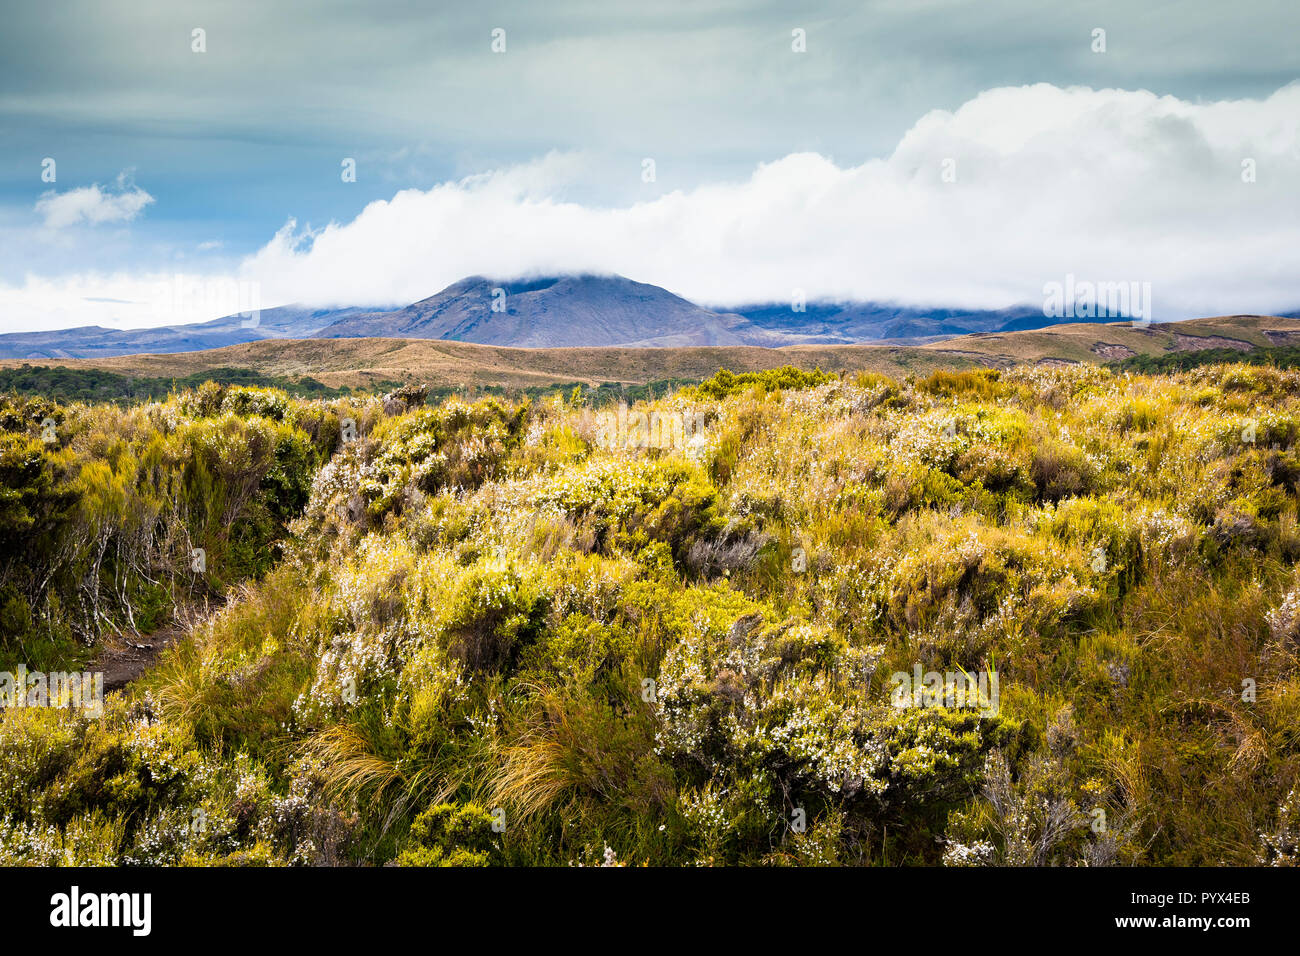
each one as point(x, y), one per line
point(774, 169)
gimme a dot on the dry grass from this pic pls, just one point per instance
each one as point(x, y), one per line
point(354, 771)
point(359, 362)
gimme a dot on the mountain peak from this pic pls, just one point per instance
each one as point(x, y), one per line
point(555, 311)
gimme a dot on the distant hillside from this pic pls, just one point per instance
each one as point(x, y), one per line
point(374, 362)
point(363, 363)
point(95, 341)
point(89, 384)
point(1112, 342)
point(849, 322)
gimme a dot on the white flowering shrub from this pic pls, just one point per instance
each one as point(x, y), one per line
point(763, 710)
point(431, 448)
point(1281, 847)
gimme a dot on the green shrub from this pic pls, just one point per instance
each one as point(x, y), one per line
point(725, 383)
point(450, 835)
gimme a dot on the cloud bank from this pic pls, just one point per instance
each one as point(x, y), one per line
point(980, 207)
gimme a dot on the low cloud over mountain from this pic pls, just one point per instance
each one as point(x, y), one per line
point(979, 207)
point(543, 312)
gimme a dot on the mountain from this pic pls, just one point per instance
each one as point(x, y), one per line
point(93, 341)
point(849, 322)
point(565, 311)
point(557, 312)
point(592, 311)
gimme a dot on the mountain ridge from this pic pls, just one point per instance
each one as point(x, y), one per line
point(580, 310)
point(96, 341)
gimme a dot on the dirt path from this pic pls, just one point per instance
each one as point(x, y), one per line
point(124, 658)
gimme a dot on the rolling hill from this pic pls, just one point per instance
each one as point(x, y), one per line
point(367, 361)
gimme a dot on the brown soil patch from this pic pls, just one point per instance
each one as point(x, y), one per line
point(124, 658)
point(1196, 343)
point(1111, 351)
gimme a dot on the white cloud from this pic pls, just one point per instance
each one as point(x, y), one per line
point(1109, 185)
point(122, 300)
point(93, 205)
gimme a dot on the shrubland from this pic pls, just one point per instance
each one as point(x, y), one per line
point(475, 633)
